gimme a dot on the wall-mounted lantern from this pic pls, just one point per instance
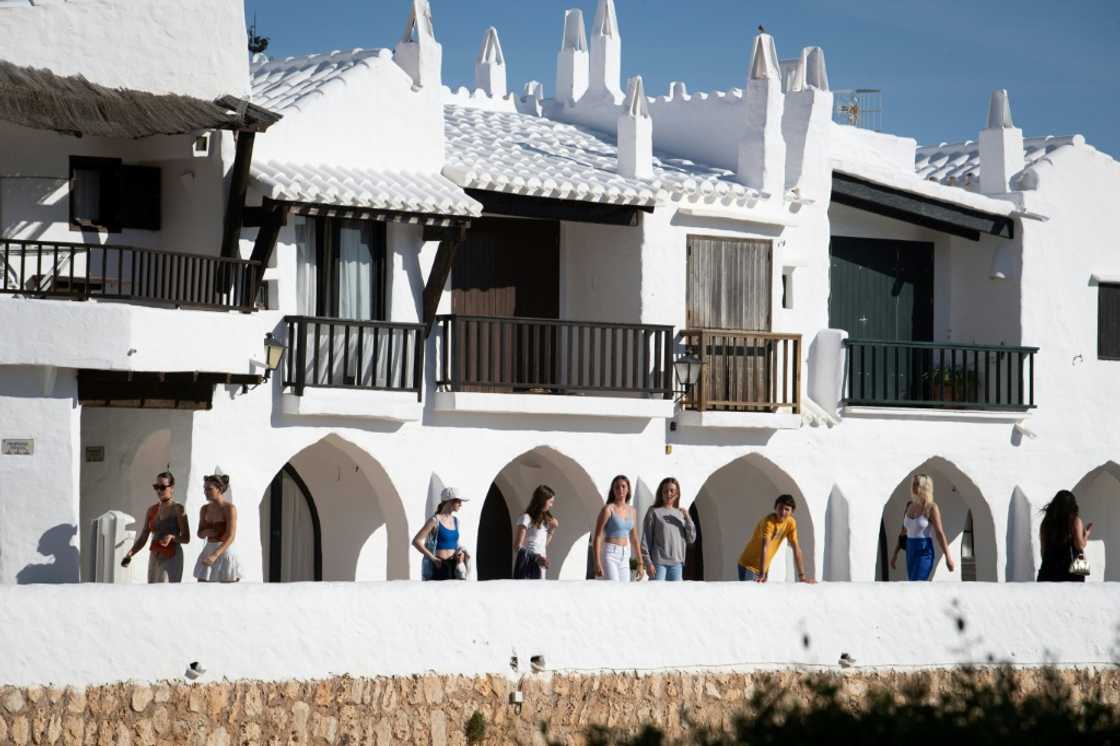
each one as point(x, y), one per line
point(273, 354)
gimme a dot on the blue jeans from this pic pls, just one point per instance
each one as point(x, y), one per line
point(668, 572)
point(746, 575)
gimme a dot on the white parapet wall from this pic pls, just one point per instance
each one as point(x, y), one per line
point(94, 634)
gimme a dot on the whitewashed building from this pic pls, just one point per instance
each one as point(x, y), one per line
point(489, 290)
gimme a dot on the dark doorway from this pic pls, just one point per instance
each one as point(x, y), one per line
point(882, 290)
point(694, 555)
point(495, 538)
point(882, 566)
point(290, 526)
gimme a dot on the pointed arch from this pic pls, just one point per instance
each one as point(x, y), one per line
point(578, 502)
point(957, 495)
point(1098, 498)
point(730, 503)
point(362, 518)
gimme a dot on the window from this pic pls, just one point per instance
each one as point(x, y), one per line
point(341, 268)
point(108, 195)
point(1108, 322)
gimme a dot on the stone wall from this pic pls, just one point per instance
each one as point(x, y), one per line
point(415, 710)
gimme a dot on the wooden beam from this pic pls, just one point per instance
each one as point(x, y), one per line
point(238, 187)
point(274, 217)
point(437, 278)
point(578, 211)
point(927, 212)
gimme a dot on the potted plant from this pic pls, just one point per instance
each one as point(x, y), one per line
point(950, 384)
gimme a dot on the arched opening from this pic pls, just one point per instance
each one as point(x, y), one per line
point(577, 504)
point(965, 515)
point(1098, 499)
point(363, 533)
point(291, 532)
point(495, 555)
point(729, 505)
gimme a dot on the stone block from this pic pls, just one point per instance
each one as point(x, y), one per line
point(20, 732)
point(13, 700)
point(141, 697)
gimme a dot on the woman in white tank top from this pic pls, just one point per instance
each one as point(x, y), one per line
point(921, 524)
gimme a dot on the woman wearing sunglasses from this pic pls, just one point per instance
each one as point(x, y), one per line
point(166, 523)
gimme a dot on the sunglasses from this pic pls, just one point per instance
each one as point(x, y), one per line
point(161, 487)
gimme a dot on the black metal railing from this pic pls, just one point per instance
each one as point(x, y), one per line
point(482, 353)
point(338, 353)
point(932, 374)
point(53, 269)
point(745, 371)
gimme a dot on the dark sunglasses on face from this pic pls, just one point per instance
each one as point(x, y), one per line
point(161, 487)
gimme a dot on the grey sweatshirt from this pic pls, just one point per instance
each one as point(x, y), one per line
point(666, 535)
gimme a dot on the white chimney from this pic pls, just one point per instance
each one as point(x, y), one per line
point(606, 52)
point(490, 67)
point(1001, 147)
point(418, 53)
point(762, 151)
point(806, 121)
point(635, 133)
point(572, 60)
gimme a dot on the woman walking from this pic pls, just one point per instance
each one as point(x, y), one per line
point(921, 523)
point(1063, 537)
point(217, 523)
point(534, 531)
point(666, 533)
point(438, 540)
point(166, 523)
point(616, 534)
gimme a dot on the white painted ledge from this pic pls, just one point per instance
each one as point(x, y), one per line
point(923, 413)
point(551, 404)
point(395, 406)
point(740, 420)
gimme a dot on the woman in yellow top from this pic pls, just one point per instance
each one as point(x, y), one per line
point(754, 562)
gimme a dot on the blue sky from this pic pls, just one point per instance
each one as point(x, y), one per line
point(935, 62)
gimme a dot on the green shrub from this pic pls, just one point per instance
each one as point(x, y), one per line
point(476, 728)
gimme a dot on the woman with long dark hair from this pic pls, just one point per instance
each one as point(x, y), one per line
point(616, 534)
point(534, 531)
point(666, 533)
point(1063, 537)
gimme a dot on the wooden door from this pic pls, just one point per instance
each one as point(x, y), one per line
point(730, 287)
point(883, 290)
point(507, 268)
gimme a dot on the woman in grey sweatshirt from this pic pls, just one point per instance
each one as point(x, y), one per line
point(666, 533)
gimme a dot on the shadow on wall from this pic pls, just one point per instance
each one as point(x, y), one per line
point(56, 542)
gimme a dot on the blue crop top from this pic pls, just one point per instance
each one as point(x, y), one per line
point(447, 538)
point(617, 528)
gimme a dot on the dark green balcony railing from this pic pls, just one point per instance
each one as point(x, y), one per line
point(881, 373)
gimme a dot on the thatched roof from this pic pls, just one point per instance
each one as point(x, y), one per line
point(40, 99)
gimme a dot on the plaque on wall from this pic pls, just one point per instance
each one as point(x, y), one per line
point(17, 446)
point(95, 454)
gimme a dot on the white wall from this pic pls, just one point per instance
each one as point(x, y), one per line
point(39, 493)
point(165, 46)
point(98, 634)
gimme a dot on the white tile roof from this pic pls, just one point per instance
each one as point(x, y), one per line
point(914, 184)
point(523, 154)
point(398, 191)
point(958, 164)
point(283, 84)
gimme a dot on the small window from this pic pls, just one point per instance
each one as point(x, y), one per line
point(107, 195)
point(1108, 322)
point(787, 288)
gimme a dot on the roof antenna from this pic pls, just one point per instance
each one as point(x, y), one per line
point(257, 44)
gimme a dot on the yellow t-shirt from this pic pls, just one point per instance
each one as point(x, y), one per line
point(770, 531)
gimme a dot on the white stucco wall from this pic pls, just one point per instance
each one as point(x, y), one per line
point(165, 46)
point(367, 629)
point(39, 492)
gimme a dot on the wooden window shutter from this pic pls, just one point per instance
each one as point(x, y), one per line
point(140, 197)
point(1108, 322)
point(729, 283)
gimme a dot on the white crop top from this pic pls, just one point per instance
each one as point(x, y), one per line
point(918, 528)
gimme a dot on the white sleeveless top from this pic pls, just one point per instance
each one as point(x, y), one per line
point(917, 528)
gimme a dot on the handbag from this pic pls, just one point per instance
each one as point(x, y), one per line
point(1078, 565)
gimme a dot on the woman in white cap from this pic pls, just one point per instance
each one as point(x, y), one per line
point(438, 539)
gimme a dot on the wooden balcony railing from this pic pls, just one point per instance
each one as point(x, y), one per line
point(937, 375)
point(337, 353)
point(745, 371)
point(52, 269)
point(481, 353)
